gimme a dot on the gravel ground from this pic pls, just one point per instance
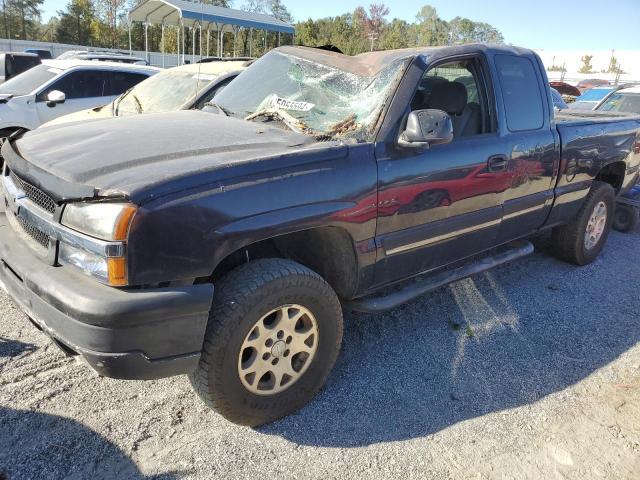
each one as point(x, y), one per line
point(529, 371)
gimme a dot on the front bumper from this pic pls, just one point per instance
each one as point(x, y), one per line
point(128, 334)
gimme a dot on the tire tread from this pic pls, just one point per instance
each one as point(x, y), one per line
point(567, 240)
point(256, 281)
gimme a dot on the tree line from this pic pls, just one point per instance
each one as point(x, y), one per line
point(370, 29)
point(103, 23)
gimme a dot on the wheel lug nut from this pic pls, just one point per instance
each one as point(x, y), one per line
point(274, 361)
point(269, 342)
point(289, 338)
point(286, 353)
point(280, 334)
point(266, 356)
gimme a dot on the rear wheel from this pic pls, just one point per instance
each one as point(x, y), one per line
point(626, 218)
point(581, 241)
point(273, 336)
point(5, 132)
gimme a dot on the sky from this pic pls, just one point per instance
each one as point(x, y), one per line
point(539, 24)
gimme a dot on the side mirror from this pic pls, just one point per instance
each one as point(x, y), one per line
point(54, 97)
point(425, 128)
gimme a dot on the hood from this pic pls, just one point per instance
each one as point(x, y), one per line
point(135, 155)
point(103, 111)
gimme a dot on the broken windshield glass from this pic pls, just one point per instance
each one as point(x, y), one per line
point(310, 97)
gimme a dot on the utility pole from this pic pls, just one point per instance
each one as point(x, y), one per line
point(372, 38)
point(5, 6)
point(618, 72)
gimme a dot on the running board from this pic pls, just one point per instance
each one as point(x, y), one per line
point(420, 286)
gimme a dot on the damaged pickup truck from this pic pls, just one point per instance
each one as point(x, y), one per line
point(224, 245)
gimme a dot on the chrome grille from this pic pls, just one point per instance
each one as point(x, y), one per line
point(34, 238)
point(34, 194)
point(40, 237)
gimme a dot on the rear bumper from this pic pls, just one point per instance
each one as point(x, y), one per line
point(128, 334)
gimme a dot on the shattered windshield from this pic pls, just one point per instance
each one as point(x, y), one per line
point(164, 92)
point(309, 97)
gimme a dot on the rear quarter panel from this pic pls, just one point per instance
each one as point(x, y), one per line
point(586, 148)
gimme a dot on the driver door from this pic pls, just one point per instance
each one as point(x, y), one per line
point(444, 203)
point(83, 89)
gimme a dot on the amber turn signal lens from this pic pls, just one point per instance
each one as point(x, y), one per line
point(117, 268)
point(121, 228)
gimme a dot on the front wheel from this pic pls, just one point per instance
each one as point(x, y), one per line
point(581, 241)
point(273, 336)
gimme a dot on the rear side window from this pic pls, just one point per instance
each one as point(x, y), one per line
point(520, 93)
point(123, 81)
point(19, 64)
point(81, 84)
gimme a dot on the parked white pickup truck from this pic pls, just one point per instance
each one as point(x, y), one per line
point(60, 87)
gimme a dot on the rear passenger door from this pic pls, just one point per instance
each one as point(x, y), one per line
point(533, 159)
point(83, 89)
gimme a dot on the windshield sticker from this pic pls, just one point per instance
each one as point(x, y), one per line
point(283, 103)
point(204, 76)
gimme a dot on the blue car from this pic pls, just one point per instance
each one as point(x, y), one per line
point(558, 102)
point(44, 54)
point(591, 98)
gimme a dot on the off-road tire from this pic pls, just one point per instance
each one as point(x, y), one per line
point(241, 298)
point(626, 218)
point(568, 240)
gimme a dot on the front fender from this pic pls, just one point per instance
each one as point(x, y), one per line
point(243, 232)
point(187, 235)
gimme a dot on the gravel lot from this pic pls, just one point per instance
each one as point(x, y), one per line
point(529, 371)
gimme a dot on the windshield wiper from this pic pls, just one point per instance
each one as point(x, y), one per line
point(343, 127)
point(138, 104)
point(118, 101)
point(220, 108)
point(294, 124)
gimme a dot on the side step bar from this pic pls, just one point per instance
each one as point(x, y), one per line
point(420, 286)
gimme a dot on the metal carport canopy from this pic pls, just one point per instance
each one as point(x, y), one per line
point(170, 12)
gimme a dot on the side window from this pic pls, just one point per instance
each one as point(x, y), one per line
point(80, 84)
point(520, 93)
point(456, 88)
point(123, 81)
point(22, 64)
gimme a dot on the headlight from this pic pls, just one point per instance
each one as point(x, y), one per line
point(88, 262)
point(107, 222)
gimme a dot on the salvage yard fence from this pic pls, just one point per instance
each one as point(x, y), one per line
point(172, 59)
point(155, 58)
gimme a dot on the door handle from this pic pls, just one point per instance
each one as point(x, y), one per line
point(497, 163)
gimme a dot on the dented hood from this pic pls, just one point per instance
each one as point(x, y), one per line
point(142, 155)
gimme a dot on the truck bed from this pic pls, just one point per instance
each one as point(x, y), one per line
point(584, 117)
point(589, 140)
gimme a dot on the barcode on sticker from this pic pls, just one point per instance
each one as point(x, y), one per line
point(285, 104)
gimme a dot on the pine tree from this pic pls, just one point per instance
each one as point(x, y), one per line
point(586, 64)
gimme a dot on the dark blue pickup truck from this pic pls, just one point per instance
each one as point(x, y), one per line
point(224, 245)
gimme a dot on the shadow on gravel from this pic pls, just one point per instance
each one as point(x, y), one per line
point(13, 348)
point(62, 448)
point(500, 340)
